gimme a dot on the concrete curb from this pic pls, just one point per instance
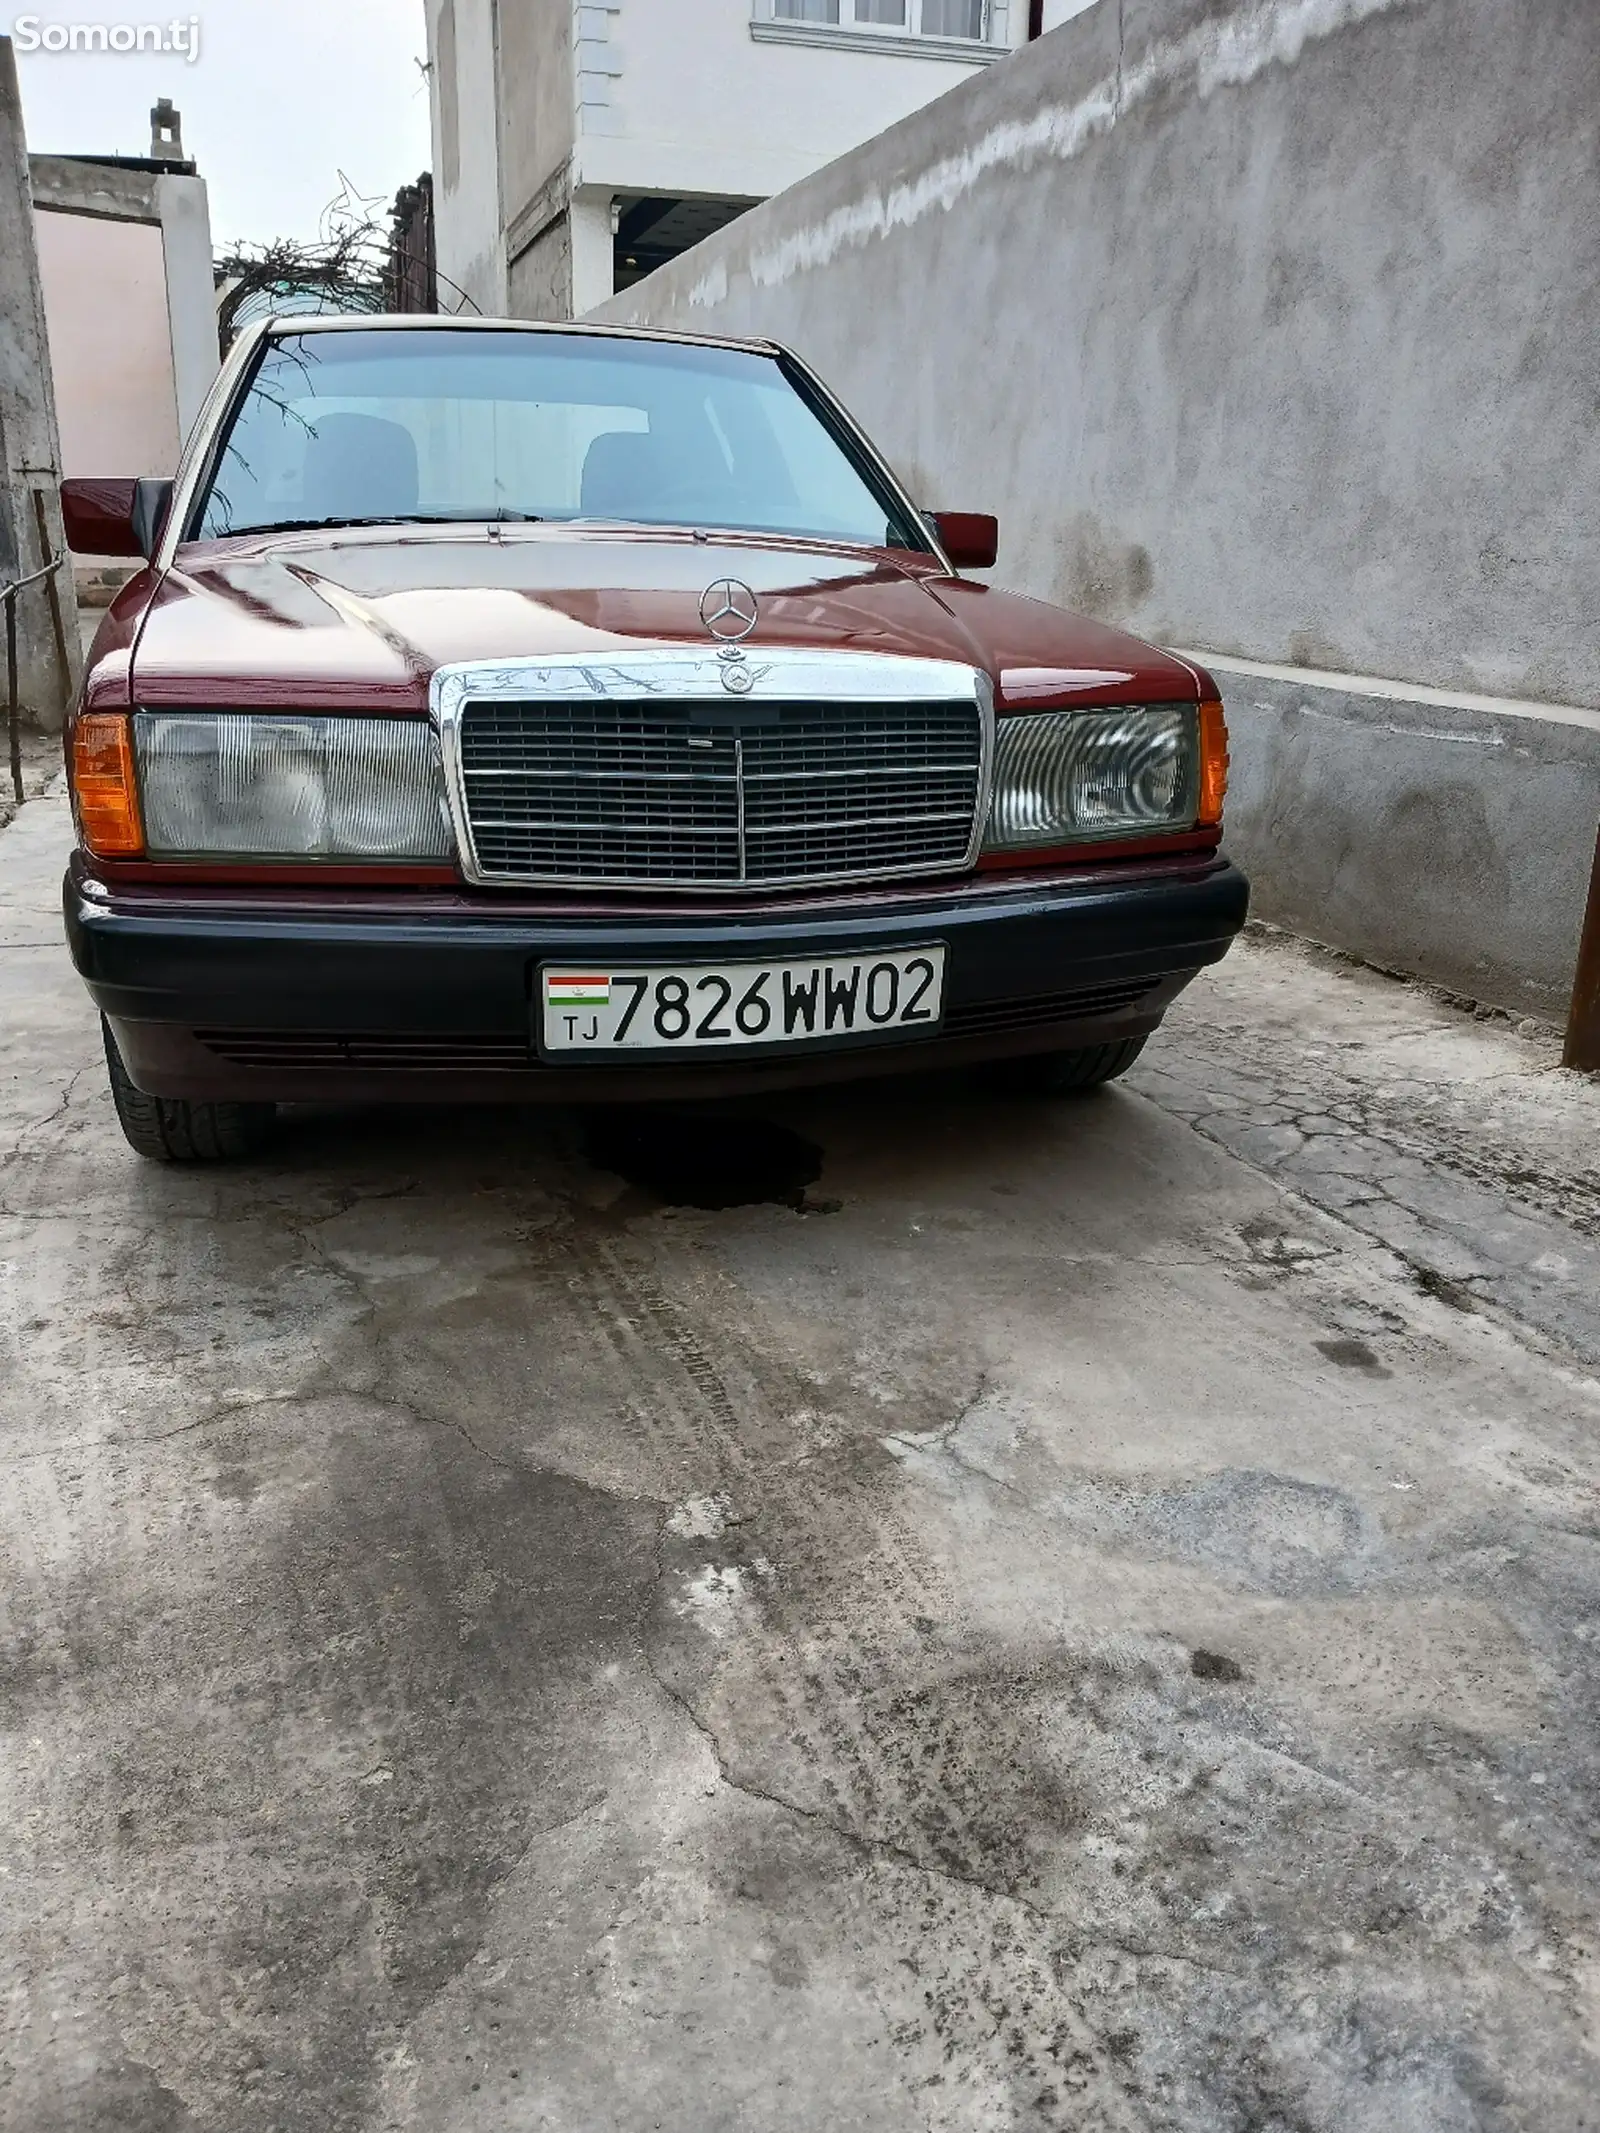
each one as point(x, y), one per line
point(1449, 837)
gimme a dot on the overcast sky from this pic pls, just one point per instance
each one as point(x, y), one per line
point(284, 95)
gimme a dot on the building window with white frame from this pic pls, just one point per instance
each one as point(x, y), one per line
point(965, 20)
point(952, 18)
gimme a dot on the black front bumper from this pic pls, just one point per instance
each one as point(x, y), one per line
point(273, 994)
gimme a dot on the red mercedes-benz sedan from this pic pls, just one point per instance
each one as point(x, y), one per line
point(509, 712)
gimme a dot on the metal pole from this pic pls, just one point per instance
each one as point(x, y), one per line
point(8, 598)
point(1582, 1049)
point(14, 710)
point(52, 586)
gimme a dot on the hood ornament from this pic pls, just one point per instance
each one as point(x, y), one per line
point(729, 609)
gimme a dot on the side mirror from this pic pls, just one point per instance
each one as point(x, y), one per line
point(115, 516)
point(971, 539)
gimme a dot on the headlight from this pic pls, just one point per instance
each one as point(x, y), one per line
point(1063, 776)
point(266, 786)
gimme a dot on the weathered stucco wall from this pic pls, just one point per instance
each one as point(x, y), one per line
point(466, 155)
point(1272, 326)
point(1451, 836)
point(539, 125)
point(540, 278)
point(30, 445)
point(1269, 327)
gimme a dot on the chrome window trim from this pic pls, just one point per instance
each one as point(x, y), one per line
point(874, 458)
point(195, 462)
point(678, 672)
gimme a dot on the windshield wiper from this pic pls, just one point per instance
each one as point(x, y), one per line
point(499, 516)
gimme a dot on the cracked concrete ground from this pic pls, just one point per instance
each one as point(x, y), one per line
point(1100, 1631)
point(39, 760)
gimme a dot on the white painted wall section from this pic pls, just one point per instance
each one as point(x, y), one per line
point(716, 99)
point(698, 105)
point(466, 156)
point(191, 292)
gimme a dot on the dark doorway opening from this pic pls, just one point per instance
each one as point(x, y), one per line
point(655, 227)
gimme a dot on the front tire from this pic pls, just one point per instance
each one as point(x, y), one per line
point(168, 1129)
point(1066, 1073)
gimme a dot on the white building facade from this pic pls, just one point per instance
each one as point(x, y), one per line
point(579, 143)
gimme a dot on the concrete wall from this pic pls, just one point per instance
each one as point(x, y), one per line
point(185, 211)
point(1443, 834)
point(30, 447)
point(540, 279)
point(121, 417)
point(125, 256)
point(466, 157)
point(1270, 328)
point(538, 109)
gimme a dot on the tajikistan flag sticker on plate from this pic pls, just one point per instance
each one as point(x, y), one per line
point(570, 991)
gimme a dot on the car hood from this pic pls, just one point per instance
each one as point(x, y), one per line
point(363, 618)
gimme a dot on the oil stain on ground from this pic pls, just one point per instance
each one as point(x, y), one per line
point(703, 1159)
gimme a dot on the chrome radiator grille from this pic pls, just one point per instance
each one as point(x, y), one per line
point(687, 794)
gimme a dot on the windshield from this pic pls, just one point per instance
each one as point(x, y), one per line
point(433, 424)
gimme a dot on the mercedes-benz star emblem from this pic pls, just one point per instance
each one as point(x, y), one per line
point(729, 610)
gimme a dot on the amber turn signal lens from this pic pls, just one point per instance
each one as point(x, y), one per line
point(103, 785)
point(1213, 763)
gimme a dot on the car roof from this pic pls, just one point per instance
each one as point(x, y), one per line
point(285, 322)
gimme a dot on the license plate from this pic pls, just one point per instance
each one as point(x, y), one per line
point(703, 1006)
